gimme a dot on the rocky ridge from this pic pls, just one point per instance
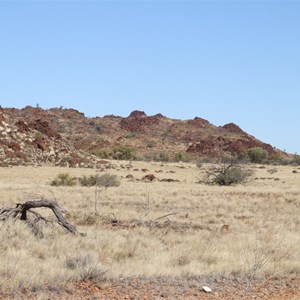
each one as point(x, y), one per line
point(66, 137)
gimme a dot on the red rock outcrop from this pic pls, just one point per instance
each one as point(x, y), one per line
point(214, 146)
point(42, 144)
point(22, 126)
point(206, 147)
point(137, 114)
point(241, 145)
point(199, 122)
point(138, 121)
point(44, 127)
point(234, 128)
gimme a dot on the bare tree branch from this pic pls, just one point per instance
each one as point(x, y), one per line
point(22, 209)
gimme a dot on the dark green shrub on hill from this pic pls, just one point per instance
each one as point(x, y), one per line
point(184, 157)
point(102, 154)
point(123, 153)
point(257, 154)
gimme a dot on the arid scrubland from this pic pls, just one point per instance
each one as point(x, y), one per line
point(156, 228)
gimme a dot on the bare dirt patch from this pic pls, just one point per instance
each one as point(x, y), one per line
point(226, 288)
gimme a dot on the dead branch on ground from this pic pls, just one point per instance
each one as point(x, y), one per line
point(24, 212)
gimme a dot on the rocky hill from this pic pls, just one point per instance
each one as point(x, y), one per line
point(57, 136)
point(34, 141)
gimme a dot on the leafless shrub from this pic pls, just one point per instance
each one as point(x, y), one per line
point(108, 180)
point(104, 180)
point(227, 174)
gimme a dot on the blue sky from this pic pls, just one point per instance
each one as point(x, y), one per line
point(225, 61)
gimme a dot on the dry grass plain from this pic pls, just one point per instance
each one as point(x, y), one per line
point(152, 229)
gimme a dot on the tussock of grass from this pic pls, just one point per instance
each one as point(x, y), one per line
point(104, 180)
point(63, 179)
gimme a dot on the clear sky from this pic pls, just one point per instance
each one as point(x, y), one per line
point(225, 61)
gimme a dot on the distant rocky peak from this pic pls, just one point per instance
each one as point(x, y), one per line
point(137, 114)
point(199, 122)
point(234, 128)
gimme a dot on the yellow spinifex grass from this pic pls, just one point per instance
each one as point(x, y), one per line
point(152, 228)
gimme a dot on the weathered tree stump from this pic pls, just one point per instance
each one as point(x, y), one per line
point(23, 210)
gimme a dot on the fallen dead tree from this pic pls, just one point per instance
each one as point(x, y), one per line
point(24, 212)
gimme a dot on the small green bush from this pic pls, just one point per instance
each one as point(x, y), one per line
point(277, 160)
point(163, 157)
point(123, 153)
point(257, 154)
point(88, 180)
point(105, 180)
point(63, 179)
point(38, 135)
point(102, 154)
point(184, 157)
